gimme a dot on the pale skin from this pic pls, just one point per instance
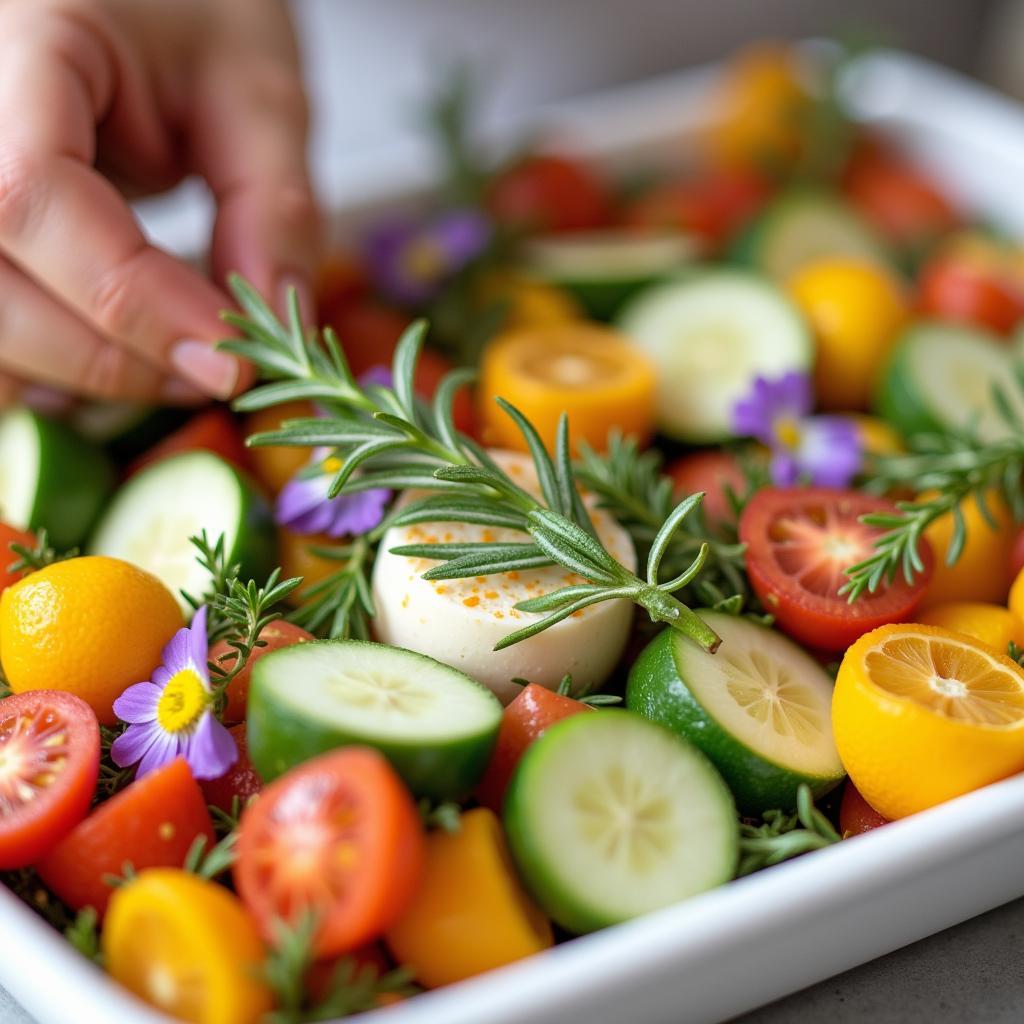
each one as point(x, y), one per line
point(103, 100)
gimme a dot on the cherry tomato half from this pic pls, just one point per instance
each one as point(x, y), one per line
point(339, 836)
point(856, 815)
point(242, 779)
point(953, 289)
point(712, 205)
point(49, 760)
point(274, 636)
point(799, 544)
point(714, 472)
point(150, 824)
point(213, 430)
point(534, 709)
point(544, 192)
point(8, 536)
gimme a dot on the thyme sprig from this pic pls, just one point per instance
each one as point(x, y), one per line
point(782, 836)
point(352, 987)
point(84, 935)
point(386, 437)
point(39, 556)
point(954, 466)
point(341, 604)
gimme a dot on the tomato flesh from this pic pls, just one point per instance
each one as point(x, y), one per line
point(856, 815)
point(533, 711)
point(799, 544)
point(339, 836)
point(213, 430)
point(8, 536)
point(150, 824)
point(49, 761)
point(242, 779)
point(545, 192)
point(274, 636)
point(951, 289)
point(715, 473)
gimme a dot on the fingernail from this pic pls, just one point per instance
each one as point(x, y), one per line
point(47, 400)
point(214, 373)
point(307, 305)
point(181, 392)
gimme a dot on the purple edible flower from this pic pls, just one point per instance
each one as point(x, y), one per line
point(172, 716)
point(304, 508)
point(822, 450)
point(411, 259)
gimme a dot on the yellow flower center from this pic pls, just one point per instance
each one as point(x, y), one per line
point(183, 702)
point(331, 464)
point(787, 432)
point(424, 260)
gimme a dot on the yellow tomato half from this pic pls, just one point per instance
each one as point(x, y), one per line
point(187, 947)
point(276, 466)
point(471, 914)
point(856, 311)
point(990, 623)
point(584, 369)
point(529, 303)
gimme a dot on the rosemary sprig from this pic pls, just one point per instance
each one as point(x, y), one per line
point(782, 836)
point(955, 466)
point(385, 437)
point(352, 988)
point(209, 863)
point(84, 935)
point(341, 604)
point(112, 778)
point(32, 559)
point(631, 487)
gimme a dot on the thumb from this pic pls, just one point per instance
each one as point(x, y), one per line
point(249, 142)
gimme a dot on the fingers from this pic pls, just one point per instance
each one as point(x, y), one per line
point(249, 142)
point(69, 229)
point(44, 342)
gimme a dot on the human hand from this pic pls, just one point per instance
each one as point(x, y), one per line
point(105, 99)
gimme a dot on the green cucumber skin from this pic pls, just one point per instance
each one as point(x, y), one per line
point(756, 783)
point(256, 541)
point(602, 300)
point(570, 912)
point(281, 737)
point(897, 400)
point(75, 481)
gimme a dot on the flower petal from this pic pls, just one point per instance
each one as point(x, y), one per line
point(769, 399)
point(199, 645)
point(163, 750)
point(176, 655)
point(376, 376)
point(210, 750)
point(300, 497)
point(133, 743)
point(354, 514)
point(138, 703)
point(830, 451)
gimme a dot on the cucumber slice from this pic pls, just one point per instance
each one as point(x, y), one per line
point(610, 816)
point(152, 517)
point(433, 723)
point(805, 226)
point(50, 478)
point(604, 269)
point(710, 336)
point(942, 377)
point(760, 709)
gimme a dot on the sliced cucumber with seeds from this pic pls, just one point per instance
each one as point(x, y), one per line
point(152, 517)
point(50, 477)
point(805, 226)
point(711, 334)
point(759, 708)
point(604, 269)
point(610, 816)
point(435, 724)
point(943, 377)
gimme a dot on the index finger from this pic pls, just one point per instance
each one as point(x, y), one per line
point(68, 227)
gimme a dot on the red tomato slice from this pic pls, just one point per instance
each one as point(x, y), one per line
point(242, 779)
point(549, 193)
point(713, 472)
point(151, 824)
point(275, 635)
point(799, 544)
point(213, 430)
point(8, 536)
point(49, 761)
point(951, 289)
point(533, 710)
point(339, 836)
point(856, 815)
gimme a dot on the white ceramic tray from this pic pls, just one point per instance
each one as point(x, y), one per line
point(770, 934)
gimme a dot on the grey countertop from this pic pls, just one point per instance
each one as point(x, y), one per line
point(970, 974)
